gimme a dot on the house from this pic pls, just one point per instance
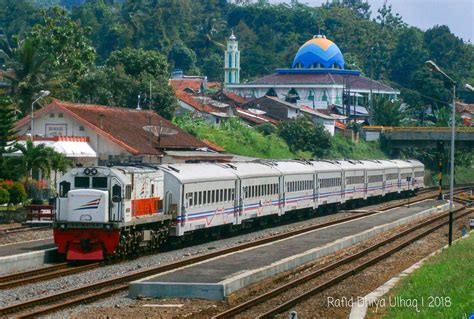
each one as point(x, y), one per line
point(283, 111)
point(213, 112)
point(191, 83)
point(98, 135)
point(466, 111)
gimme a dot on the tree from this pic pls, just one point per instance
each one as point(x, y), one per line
point(58, 163)
point(386, 112)
point(130, 73)
point(16, 191)
point(7, 126)
point(64, 43)
point(302, 134)
point(29, 72)
point(35, 157)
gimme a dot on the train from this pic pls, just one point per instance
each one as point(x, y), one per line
point(114, 211)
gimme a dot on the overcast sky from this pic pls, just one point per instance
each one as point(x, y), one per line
point(457, 14)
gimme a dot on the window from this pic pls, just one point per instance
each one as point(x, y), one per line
point(81, 128)
point(117, 192)
point(221, 197)
point(200, 198)
point(204, 200)
point(81, 182)
point(213, 196)
point(232, 194)
point(60, 115)
point(99, 182)
point(152, 190)
point(195, 199)
point(64, 188)
point(51, 115)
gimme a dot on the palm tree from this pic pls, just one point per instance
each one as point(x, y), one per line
point(58, 163)
point(35, 157)
point(29, 71)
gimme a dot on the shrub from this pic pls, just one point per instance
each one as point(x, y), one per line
point(4, 196)
point(17, 193)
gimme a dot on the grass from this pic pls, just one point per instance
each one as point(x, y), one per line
point(239, 139)
point(448, 276)
point(343, 147)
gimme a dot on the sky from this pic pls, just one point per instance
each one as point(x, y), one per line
point(458, 15)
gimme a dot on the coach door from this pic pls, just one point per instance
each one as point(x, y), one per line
point(116, 199)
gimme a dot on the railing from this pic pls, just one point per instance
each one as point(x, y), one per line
point(418, 129)
point(39, 213)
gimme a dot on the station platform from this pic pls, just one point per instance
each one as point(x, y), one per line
point(219, 277)
point(25, 255)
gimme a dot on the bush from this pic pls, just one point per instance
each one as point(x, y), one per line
point(17, 193)
point(266, 129)
point(4, 196)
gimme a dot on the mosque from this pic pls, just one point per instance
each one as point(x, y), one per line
point(317, 79)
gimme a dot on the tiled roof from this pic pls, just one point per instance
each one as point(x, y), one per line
point(180, 85)
point(234, 97)
point(213, 146)
point(189, 100)
point(464, 107)
point(353, 81)
point(124, 127)
point(254, 118)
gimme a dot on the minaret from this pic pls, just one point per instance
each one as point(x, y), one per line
point(232, 61)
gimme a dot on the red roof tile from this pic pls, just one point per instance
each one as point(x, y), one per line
point(464, 107)
point(188, 99)
point(124, 127)
point(195, 84)
point(213, 146)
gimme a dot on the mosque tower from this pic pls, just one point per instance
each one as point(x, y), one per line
point(232, 61)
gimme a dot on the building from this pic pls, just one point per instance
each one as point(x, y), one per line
point(273, 107)
point(232, 61)
point(466, 111)
point(191, 83)
point(317, 79)
point(98, 135)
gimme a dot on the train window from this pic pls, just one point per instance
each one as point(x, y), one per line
point(213, 196)
point(232, 195)
point(190, 199)
point(99, 182)
point(81, 182)
point(200, 198)
point(195, 200)
point(221, 195)
point(204, 199)
point(64, 188)
point(152, 189)
point(128, 191)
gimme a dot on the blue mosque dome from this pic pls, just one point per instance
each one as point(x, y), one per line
point(318, 53)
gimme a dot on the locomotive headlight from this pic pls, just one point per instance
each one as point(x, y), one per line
point(87, 171)
point(94, 171)
point(63, 226)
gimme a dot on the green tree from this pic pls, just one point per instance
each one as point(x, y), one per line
point(35, 157)
point(29, 72)
point(65, 45)
point(301, 134)
point(7, 125)
point(386, 112)
point(129, 73)
point(58, 163)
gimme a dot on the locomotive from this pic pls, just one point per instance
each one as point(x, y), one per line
point(102, 212)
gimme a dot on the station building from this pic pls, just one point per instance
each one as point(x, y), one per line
point(100, 135)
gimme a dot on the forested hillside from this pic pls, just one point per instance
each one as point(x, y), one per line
point(190, 34)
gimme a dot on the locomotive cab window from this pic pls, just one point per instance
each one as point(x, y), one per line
point(99, 182)
point(81, 182)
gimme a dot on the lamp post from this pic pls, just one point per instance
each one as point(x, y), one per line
point(42, 95)
point(430, 64)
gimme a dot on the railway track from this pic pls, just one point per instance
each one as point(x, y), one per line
point(105, 288)
point(42, 274)
point(22, 229)
point(432, 224)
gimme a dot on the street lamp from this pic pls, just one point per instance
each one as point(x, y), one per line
point(430, 64)
point(43, 94)
point(469, 87)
